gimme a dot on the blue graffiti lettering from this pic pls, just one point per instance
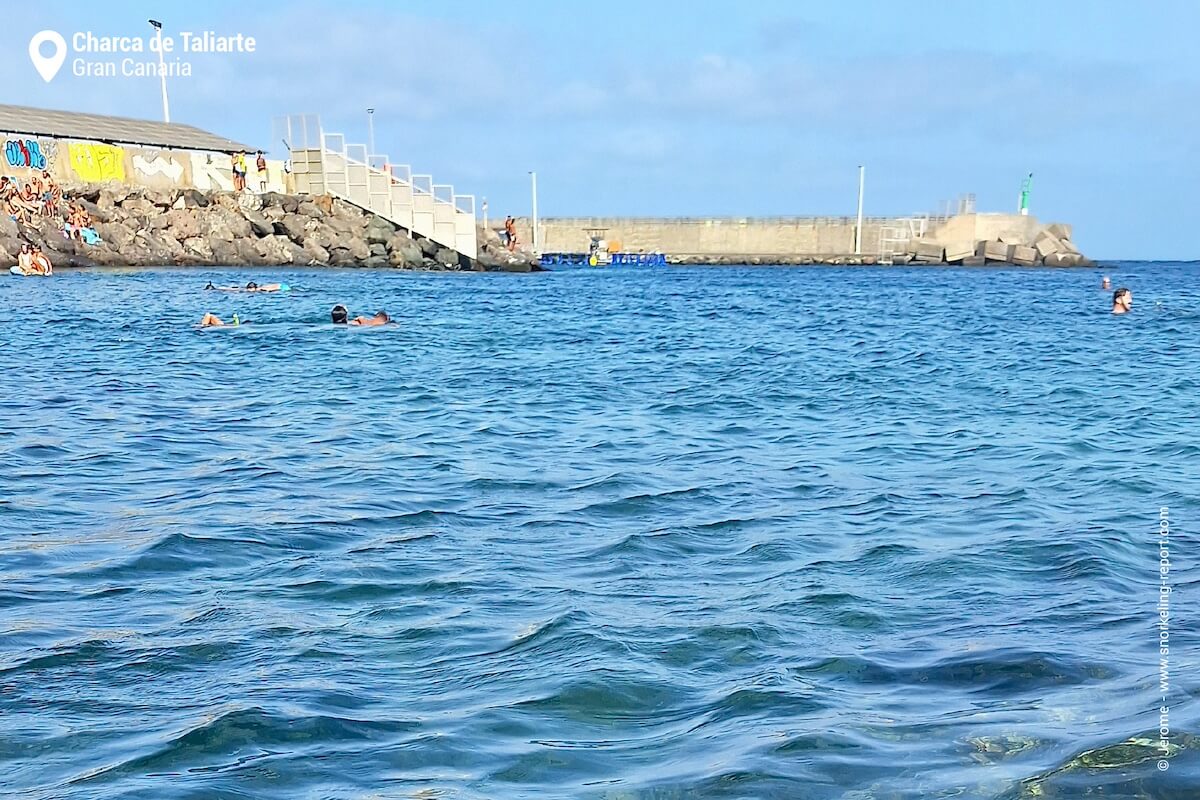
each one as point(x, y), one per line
point(24, 154)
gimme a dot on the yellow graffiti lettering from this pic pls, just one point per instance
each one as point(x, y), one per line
point(96, 163)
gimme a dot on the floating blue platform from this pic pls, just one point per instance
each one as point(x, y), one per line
point(618, 260)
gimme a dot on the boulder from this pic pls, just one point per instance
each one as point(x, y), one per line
point(358, 249)
point(341, 257)
point(160, 199)
point(8, 227)
point(376, 261)
point(182, 223)
point(259, 225)
point(379, 231)
point(310, 209)
point(194, 198)
point(293, 226)
point(403, 250)
point(315, 253)
point(247, 252)
point(116, 234)
point(276, 250)
point(447, 258)
point(429, 247)
point(197, 248)
point(223, 224)
point(290, 204)
point(518, 267)
point(974, 261)
point(378, 250)
point(224, 252)
point(139, 207)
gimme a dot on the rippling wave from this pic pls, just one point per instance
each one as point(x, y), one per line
point(739, 533)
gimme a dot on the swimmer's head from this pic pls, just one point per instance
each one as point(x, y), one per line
point(382, 316)
point(251, 285)
point(1122, 298)
point(339, 314)
point(1105, 283)
point(210, 285)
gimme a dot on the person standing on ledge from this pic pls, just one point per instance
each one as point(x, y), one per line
point(239, 172)
point(1122, 301)
point(261, 165)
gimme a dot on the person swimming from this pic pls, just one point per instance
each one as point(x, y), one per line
point(341, 316)
point(211, 320)
point(380, 318)
point(1122, 301)
point(1105, 283)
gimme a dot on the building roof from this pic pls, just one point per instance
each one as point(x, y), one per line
point(115, 130)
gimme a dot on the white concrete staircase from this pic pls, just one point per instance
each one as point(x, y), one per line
point(323, 163)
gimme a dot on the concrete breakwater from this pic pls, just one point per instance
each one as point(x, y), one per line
point(968, 239)
point(152, 227)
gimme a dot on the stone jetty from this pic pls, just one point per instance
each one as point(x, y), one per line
point(188, 227)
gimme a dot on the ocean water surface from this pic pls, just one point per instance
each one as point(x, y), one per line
point(606, 534)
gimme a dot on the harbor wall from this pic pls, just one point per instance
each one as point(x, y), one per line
point(955, 239)
point(687, 236)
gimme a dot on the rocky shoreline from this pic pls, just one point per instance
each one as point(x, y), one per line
point(188, 227)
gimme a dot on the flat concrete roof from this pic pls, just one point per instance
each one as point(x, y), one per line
point(114, 130)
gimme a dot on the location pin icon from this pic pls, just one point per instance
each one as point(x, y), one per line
point(47, 66)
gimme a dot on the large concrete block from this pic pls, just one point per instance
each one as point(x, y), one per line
point(1059, 230)
point(974, 261)
point(1048, 244)
point(956, 253)
point(1066, 260)
point(1069, 247)
point(1025, 256)
point(927, 250)
point(1012, 238)
point(998, 251)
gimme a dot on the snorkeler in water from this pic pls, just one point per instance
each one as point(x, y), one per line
point(211, 320)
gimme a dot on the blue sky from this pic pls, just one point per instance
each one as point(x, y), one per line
point(707, 108)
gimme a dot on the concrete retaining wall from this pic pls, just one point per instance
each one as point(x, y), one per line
point(74, 161)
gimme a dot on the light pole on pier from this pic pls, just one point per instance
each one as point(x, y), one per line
point(370, 132)
point(162, 70)
point(862, 179)
point(537, 239)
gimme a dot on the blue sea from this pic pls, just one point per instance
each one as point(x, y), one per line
point(815, 533)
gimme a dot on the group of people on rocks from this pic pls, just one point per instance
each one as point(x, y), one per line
point(42, 197)
point(39, 197)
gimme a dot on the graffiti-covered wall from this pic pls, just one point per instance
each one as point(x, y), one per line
point(74, 161)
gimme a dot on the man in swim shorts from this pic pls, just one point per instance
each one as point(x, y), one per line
point(381, 318)
point(213, 321)
point(1122, 301)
